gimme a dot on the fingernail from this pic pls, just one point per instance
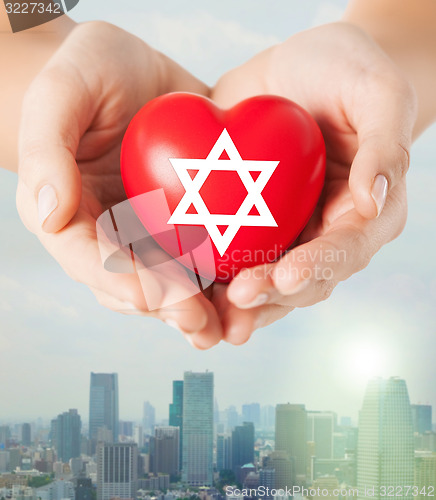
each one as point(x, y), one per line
point(47, 202)
point(261, 299)
point(379, 192)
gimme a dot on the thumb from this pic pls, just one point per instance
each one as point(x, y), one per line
point(52, 124)
point(384, 129)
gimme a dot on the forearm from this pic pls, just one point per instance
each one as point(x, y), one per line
point(22, 55)
point(405, 30)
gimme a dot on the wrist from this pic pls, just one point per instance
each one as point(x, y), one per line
point(405, 34)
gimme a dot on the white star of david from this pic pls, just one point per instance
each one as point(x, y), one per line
point(253, 199)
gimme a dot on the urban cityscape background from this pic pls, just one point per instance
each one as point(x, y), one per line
point(53, 334)
point(200, 450)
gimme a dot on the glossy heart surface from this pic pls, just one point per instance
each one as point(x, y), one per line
point(244, 180)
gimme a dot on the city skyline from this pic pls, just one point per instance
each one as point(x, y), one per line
point(419, 417)
point(380, 322)
point(391, 446)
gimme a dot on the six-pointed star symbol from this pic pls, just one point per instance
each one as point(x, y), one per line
point(212, 221)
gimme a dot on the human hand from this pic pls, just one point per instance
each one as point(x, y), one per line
point(74, 117)
point(366, 111)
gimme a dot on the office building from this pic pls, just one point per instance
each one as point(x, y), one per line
point(197, 454)
point(290, 436)
point(320, 430)
point(421, 418)
point(5, 435)
point(148, 418)
point(385, 439)
point(83, 488)
point(267, 480)
point(425, 474)
point(283, 467)
point(176, 413)
point(251, 413)
point(125, 428)
point(223, 452)
point(103, 407)
point(232, 418)
point(164, 451)
point(242, 447)
point(117, 470)
point(26, 435)
point(66, 435)
point(267, 417)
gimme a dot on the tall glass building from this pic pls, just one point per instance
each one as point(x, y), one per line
point(242, 446)
point(320, 431)
point(385, 456)
point(26, 435)
point(66, 435)
point(103, 406)
point(176, 412)
point(421, 418)
point(197, 466)
point(290, 436)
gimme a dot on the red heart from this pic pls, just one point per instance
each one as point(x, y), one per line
point(268, 138)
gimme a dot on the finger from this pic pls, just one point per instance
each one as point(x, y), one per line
point(212, 333)
point(384, 122)
point(206, 338)
point(309, 273)
point(251, 287)
point(57, 110)
point(114, 304)
point(77, 251)
point(165, 296)
point(238, 325)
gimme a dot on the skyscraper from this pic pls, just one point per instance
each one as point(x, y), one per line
point(251, 413)
point(284, 469)
point(232, 418)
point(66, 435)
point(242, 446)
point(148, 418)
point(5, 435)
point(103, 406)
point(176, 413)
point(425, 474)
point(421, 418)
point(117, 470)
point(197, 468)
point(164, 451)
point(26, 435)
point(267, 417)
point(223, 452)
point(267, 480)
point(125, 428)
point(291, 421)
point(385, 440)
point(320, 430)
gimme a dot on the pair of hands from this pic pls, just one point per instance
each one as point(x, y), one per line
point(76, 112)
